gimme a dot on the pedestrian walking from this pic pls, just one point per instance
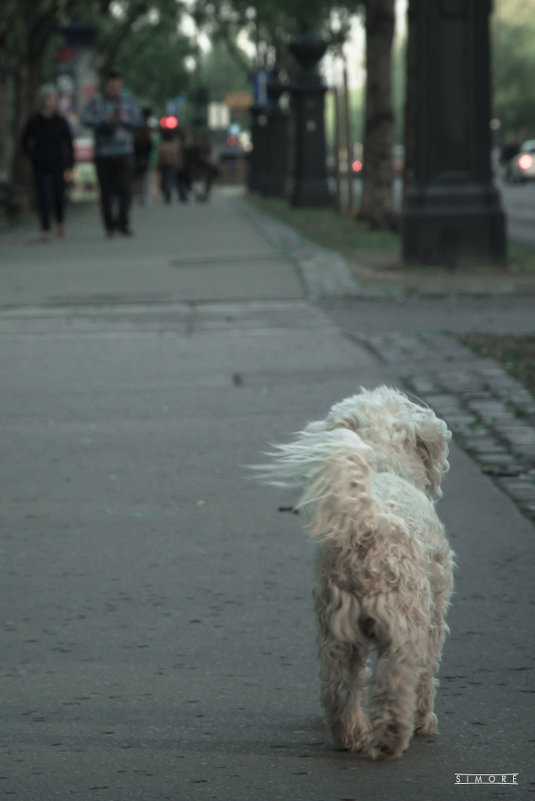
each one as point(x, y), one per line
point(183, 178)
point(199, 165)
point(47, 141)
point(142, 154)
point(171, 165)
point(114, 114)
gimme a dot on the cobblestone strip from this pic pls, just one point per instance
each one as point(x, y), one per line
point(490, 413)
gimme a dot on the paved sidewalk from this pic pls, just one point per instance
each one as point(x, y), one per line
point(215, 252)
point(227, 251)
point(156, 621)
point(235, 245)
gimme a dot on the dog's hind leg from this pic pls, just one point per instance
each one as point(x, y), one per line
point(425, 720)
point(343, 674)
point(343, 680)
point(393, 699)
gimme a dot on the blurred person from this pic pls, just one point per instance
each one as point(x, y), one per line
point(183, 178)
point(142, 153)
point(200, 166)
point(47, 141)
point(114, 114)
point(170, 162)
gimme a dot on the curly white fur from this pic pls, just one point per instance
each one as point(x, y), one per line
point(369, 471)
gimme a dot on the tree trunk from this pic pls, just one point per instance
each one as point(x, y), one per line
point(377, 203)
point(28, 77)
point(408, 166)
point(5, 133)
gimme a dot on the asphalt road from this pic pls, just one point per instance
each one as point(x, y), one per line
point(157, 629)
point(519, 204)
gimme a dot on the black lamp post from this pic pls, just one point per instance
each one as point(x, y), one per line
point(256, 177)
point(308, 97)
point(453, 212)
point(274, 178)
point(200, 107)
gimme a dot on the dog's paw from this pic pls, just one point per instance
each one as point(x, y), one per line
point(388, 741)
point(355, 741)
point(425, 724)
point(357, 744)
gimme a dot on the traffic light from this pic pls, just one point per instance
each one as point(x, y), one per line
point(169, 123)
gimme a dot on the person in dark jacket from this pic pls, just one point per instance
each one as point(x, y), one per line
point(47, 141)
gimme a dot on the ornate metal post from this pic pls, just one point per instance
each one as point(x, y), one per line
point(453, 212)
point(276, 140)
point(200, 107)
point(308, 96)
point(257, 158)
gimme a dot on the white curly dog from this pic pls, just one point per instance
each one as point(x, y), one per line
point(369, 473)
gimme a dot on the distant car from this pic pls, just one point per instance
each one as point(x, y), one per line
point(521, 167)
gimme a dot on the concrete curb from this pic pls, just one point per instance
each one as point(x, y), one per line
point(327, 274)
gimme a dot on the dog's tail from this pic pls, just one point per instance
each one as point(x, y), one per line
point(333, 468)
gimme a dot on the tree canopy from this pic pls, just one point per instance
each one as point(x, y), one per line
point(152, 58)
point(147, 41)
point(513, 34)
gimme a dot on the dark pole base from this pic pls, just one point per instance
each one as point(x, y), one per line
point(311, 194)
point(453, 213)
point(454, 237)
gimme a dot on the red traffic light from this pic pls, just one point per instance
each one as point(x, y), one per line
point(169, 123)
